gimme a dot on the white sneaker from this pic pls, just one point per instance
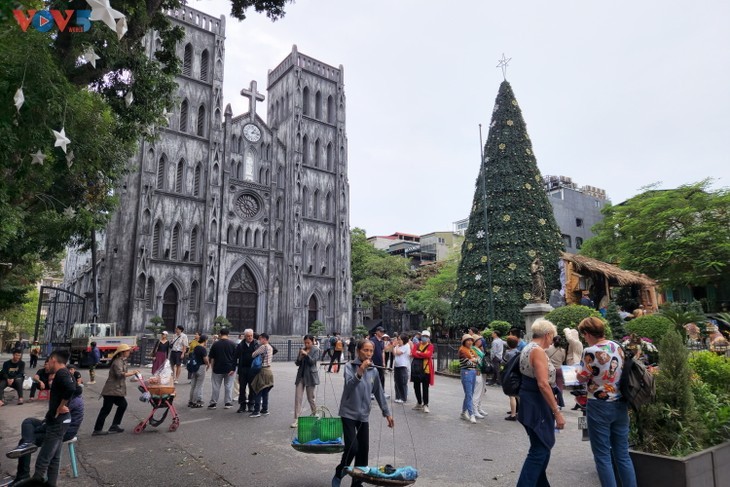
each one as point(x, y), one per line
point(482, 412)
point(398, 401)
point(465, 416)
point(425, 409)
point(472, 419)
point(418, 407)
point(477, 415)
point(295, 424)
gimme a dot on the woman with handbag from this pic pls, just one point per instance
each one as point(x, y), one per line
point(263, 381)
point(307, 377)
point(422, 371)
point(160, 352)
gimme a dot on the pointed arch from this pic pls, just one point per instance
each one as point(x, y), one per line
point(140, 286)
point(315, 204)
point(149, 295)
point(328, 206)
point(179, 176)
point(265, 239)
point(257, 238)
point(315, 258)
point(201, 121)
point(210, 294)
point(247, 238)
point(170, 300)
point(312, 309)
point(175, 243)
point(281, 176)
point(262, 176)
point(214, 176)
point(305, 201)
point(305, 150)
point(150, 160)
point(194, 244)
point(329, 156)
point(318, 105)
point(331, 115)
point(277, 244)
point(204, 65)
point(243, 301)
point(213, 231)
point(188, 60)
point(197, 178)
point(194, 296)
point(230, 238)
point(239, 236)
point(156, 240)
point(327, 264)
point(161, 172)
point(184, 116)
point(305, 101)
point(279, 208)
point(146, 221)
point(234, 143)
point(317, 153)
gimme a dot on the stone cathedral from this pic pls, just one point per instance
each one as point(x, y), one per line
point(231, 215)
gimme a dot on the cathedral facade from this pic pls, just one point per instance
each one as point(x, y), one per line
point(229, 215)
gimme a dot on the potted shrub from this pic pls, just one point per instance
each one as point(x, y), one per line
point(675, 439)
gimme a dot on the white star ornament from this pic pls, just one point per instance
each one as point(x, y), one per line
point(61, 140)
point(38, 157)
point(19, 98)
point(101, 10)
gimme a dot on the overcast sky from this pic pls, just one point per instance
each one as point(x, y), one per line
point(617, 95)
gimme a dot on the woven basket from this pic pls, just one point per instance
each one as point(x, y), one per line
point(161, 390)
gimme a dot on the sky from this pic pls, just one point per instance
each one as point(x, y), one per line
point(617, 95)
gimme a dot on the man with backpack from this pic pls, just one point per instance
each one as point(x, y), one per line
point(607, 410)
point(337, 347)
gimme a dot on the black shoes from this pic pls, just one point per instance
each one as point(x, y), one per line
point(116, 429)
point(99, 433)
point(241, 409)
point(264, 412)
point(22, 450)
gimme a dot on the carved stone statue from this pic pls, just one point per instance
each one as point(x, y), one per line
point(538, 281)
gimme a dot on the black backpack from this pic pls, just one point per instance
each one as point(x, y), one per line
point(512, 377)
point(637, 383)
point(193, 365)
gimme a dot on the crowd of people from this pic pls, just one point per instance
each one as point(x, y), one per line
point(247, 363)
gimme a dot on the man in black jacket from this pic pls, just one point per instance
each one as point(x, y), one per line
point(12, 375)
point(243, 356)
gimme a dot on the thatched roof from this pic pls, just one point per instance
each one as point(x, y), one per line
point(621, 276)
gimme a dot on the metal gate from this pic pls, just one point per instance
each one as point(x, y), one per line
point(58, 310)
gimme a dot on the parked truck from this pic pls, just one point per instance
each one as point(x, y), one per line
point(105, 336)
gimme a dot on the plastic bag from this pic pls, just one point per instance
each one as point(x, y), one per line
point(27, 383)
point(164, 375)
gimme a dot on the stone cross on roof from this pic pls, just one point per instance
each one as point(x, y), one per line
point(252, 96)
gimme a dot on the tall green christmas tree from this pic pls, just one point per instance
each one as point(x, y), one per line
point(518, 226)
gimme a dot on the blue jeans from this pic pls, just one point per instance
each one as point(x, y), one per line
point(608, 430)
point(263, 395)
point(468, 378)
point(533, 472)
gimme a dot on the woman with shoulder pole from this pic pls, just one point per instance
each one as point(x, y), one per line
point(607, 414)
point(539, 413)
point(307, 377)
point(114, 391)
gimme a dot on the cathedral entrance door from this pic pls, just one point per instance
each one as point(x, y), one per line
point(312, 310)
point(169, 308)
point(243, 298)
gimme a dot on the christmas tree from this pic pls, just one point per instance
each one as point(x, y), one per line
point(519, 226)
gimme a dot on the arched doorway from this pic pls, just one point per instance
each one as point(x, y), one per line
point(243, 296)
point(312, 310)
point(169, 307)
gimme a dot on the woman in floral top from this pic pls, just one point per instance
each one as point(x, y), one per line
point(607, 413)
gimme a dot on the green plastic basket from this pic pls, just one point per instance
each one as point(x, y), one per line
point(325, 428)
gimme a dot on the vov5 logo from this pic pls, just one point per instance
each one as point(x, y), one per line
point(45, 20)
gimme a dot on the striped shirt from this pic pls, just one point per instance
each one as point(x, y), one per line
point(268, 354)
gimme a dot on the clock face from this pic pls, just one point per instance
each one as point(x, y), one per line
point(251, 132)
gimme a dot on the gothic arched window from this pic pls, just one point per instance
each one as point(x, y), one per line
point(248, 160)
point(329, 156)
point(194, 296)
point(318, 106)
point(156, 240)
point(201, 121)
point(184, 116)
point(179, 173)
point(317, 155)
point(161, 173)
point(230, 238)
point(194, 245)
point(175, 243)
point(139, 290)
point(305, 150)
point(315, 204)
point(247, 238)
point(305, 101)
point(328, 206)
point(331, 115)
point(188, 60)
point(149, 296)
point(204, 65)
point(196, 179)
point(257, 238)
point(305, 202)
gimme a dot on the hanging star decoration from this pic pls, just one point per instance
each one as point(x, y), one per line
point(503, 64)
point(19, 98)
point(69, 213)
point(61, 140)
point(90, 56)
point(70, 158)
point(480, 234)
point(121, 27)
point(129, 98)
point(478, 277)
point(38, 157)
point(101, 10)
